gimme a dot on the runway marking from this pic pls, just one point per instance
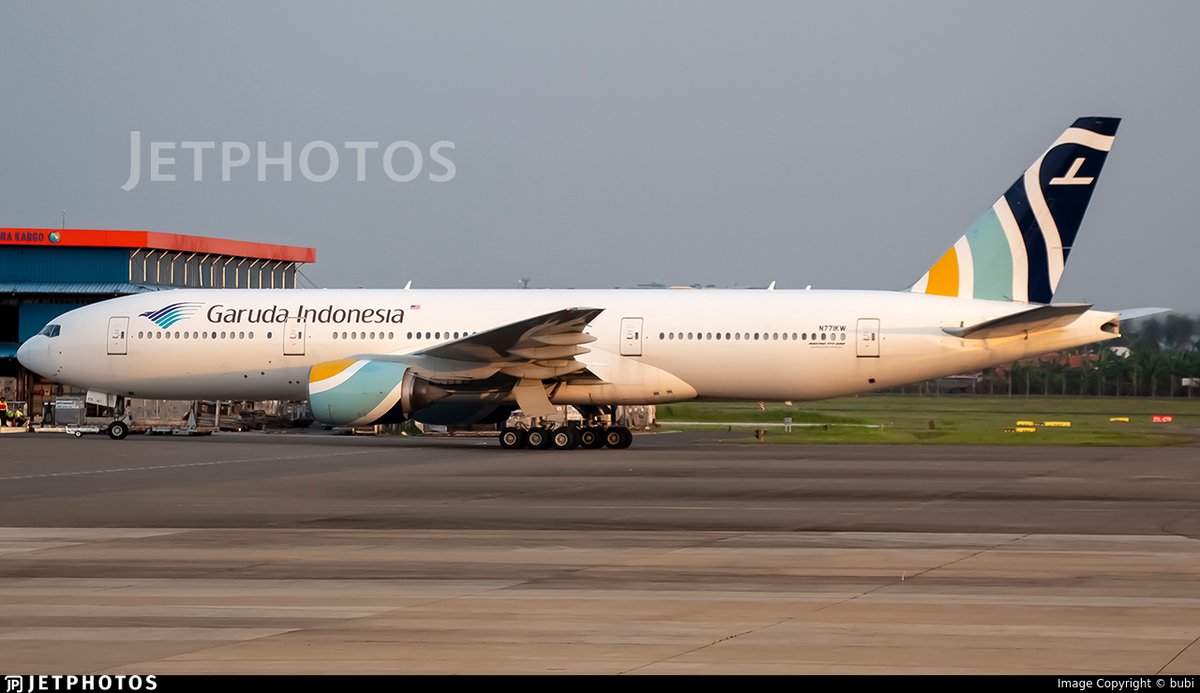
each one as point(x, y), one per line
point(246, 460)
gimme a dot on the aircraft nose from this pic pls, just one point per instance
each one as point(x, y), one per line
point(34, 354)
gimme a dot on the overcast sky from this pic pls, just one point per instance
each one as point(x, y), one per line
point(602, 144)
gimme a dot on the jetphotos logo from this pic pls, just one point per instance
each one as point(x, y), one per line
point(318, 161)
point(165, 317)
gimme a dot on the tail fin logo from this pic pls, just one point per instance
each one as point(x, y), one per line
point(1017, 249)
point(169, 315)
point(1072, 178)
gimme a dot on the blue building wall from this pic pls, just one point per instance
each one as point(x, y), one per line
point(52, 263)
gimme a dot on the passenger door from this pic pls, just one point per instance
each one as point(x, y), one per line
point(293, 337)
point(118, 336)
point(868, 338)
point(631, 336)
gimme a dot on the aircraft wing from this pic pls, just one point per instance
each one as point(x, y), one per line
point(552, 336)
point(1039, 318)
point(540, 347)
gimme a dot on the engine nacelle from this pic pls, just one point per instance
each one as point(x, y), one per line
point(362, 392)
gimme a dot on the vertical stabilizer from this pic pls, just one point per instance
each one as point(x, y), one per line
point(1017, 250)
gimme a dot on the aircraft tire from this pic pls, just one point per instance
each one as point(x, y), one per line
point(617, 437)
point(591, 438)
point(564, 438)
point(512, 438)
point(538, 439)
point(117, 430)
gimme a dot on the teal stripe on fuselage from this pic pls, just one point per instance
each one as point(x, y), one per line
point(992, 259)
point(358, 395)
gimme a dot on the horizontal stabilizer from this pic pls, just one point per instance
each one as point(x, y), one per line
point(1032, 320)
point(1134, 313)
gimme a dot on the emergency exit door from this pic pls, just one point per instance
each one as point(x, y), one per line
point(118, 336)
point(293, 338)
point(631, 336)
point(868, 337)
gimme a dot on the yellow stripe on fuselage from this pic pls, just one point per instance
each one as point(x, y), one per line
point(328, 369)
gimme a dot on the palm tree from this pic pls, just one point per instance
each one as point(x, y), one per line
point(1177, 363)
point(1102, 369)
point(1085, 371)
point(1156, 365)
point(1121, 367)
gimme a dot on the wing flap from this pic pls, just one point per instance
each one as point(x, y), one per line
point(565, 351)
point(564, 339)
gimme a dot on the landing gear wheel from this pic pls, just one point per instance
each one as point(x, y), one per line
point(117, 430)
point(564, 438)
point(539, 439)
point(591, 438)
point(618, 437)
point(512, 438)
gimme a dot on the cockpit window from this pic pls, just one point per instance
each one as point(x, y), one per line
point(50, 330)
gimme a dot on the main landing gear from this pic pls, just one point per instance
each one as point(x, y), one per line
point(568, 437)
point(593, 432)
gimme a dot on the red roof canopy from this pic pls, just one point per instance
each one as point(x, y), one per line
point(105, 238)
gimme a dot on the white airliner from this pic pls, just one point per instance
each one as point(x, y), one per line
point(466, 356)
